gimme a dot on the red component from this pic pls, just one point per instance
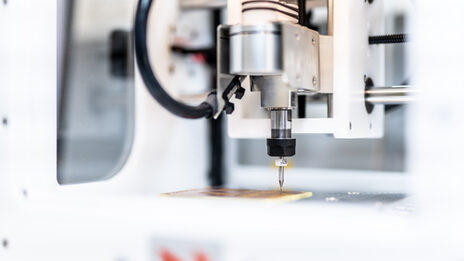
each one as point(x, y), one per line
point(199, 58)
point(200, 256)
point(180, 41)
point(166, 255)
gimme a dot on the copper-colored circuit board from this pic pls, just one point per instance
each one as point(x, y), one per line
point(272, 195)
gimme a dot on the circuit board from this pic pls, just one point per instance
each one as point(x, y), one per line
point(245, 194)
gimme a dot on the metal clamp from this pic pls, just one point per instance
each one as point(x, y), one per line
point(234, 88)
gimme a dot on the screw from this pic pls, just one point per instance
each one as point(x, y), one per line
point(171, 68)
point(5, 122)
point(314, 41)
point(351, 125)
point(297, 36)
point(314, 80)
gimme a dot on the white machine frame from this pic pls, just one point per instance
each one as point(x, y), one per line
point(120, 219)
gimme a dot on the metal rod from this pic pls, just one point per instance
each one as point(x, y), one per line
point(330, 105)
point(402, 90)
point(330, 17)
point(202, 4)
point(390, 100)
point(391, 95)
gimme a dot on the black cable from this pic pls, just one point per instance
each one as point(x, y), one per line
point(216, 174)
point(180, 109)
point(270, 9)
point(388, 39)
point(269, 1)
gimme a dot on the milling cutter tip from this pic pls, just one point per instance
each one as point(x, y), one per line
point(281, 177)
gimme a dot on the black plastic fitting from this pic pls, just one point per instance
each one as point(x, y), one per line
point(281, 147)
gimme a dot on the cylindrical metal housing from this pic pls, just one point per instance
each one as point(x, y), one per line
point(256, 50)
point(281, 124)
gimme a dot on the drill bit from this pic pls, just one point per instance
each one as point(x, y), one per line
point(281, 163)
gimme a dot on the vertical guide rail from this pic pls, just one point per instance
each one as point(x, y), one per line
point(330, 17)
point(216, 126)
point(330, 32)
point(302, 21)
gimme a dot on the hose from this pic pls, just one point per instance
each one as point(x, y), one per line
point(205, 109)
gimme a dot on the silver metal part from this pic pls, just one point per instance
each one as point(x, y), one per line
point(281, 128)
point(391, 95)
point(281, 177)
point(200, 4)
point(256, 50)
point(281, 163)
point(284, 49)
point(330, 105)
point(281, 124)
point(282, 58)
point(326, 64)
point(274, 92)
point(330, 17)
